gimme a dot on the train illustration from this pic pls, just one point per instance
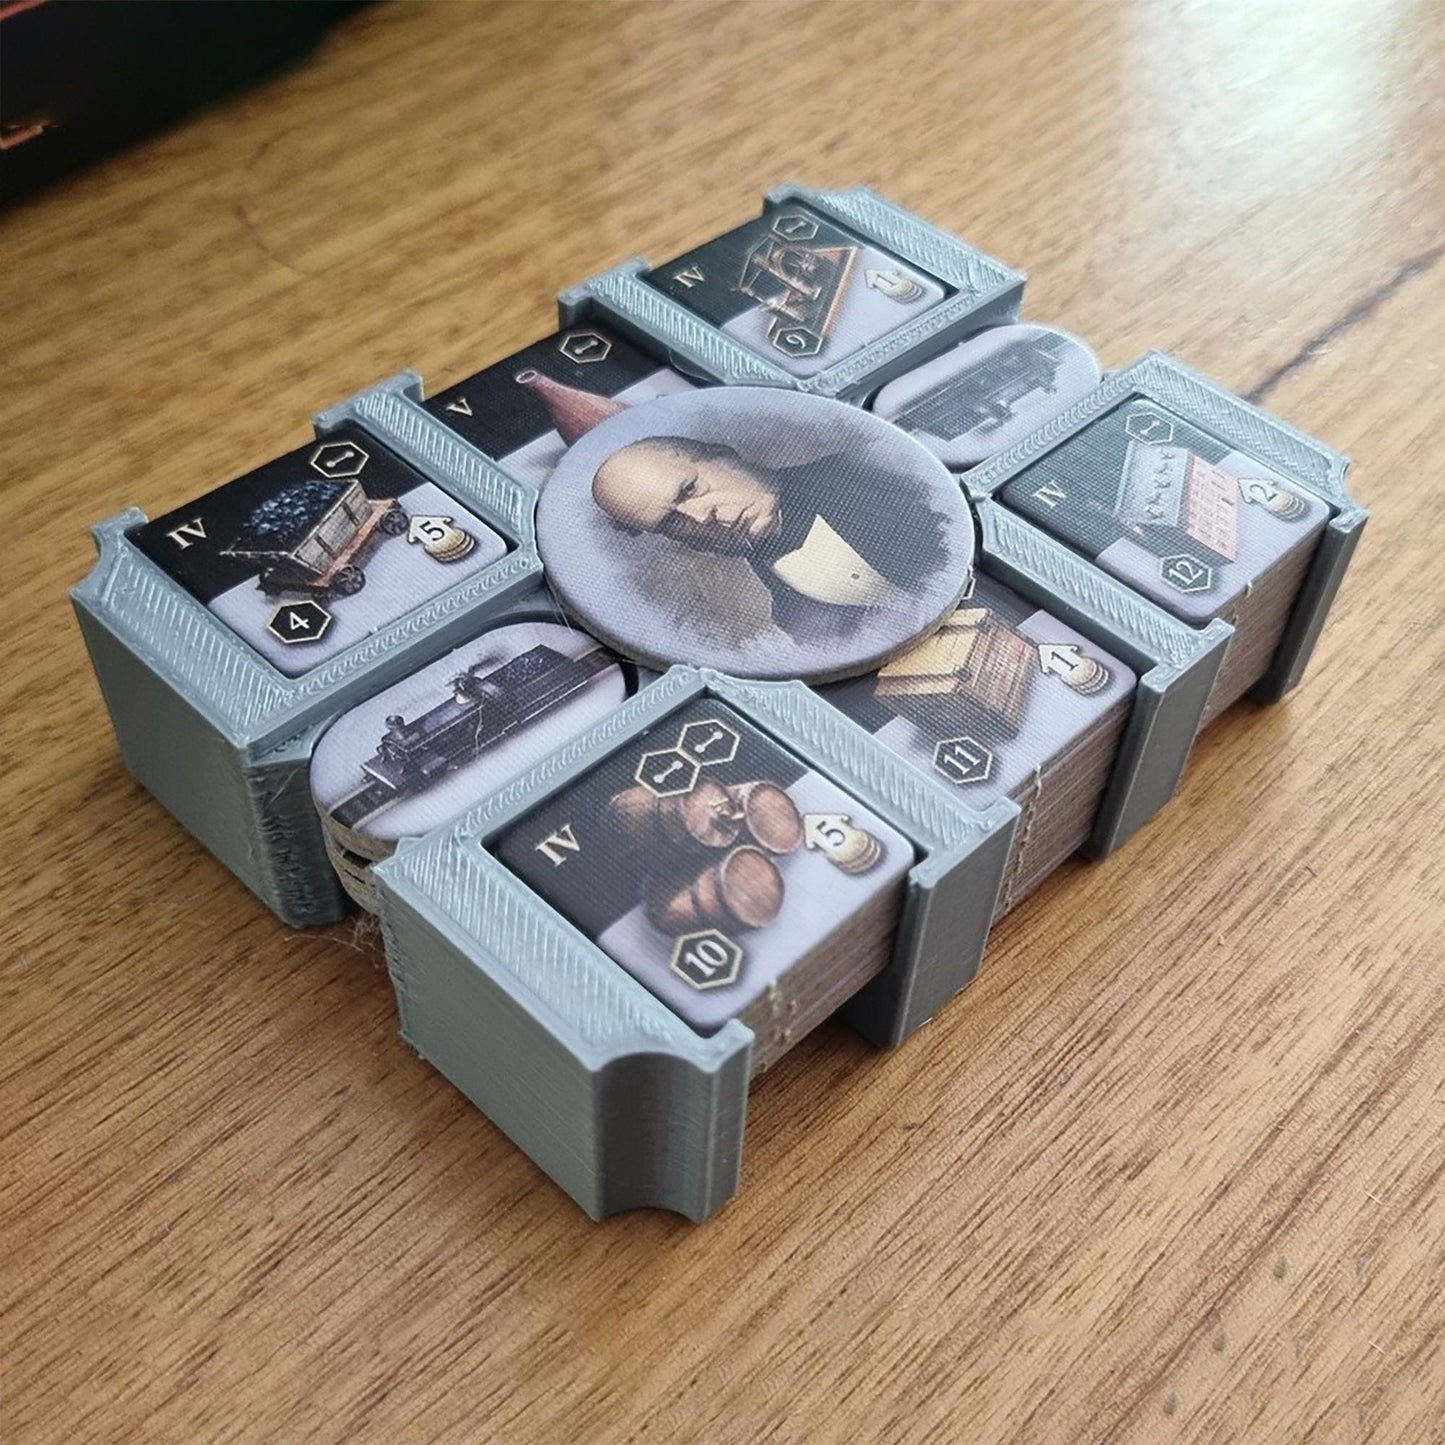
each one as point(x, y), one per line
point(488, 703)
point(983, 398)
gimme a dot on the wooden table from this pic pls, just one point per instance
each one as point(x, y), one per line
point(1171, 1170)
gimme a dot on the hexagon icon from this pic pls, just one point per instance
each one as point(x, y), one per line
point(708, 959)
point(1185, 573)
point(1149, 426)
point(339, 459)
point(708, 741)
point(963, 760)
point(304, 621)
point(794, 226)
point(584, 346)
point(667, 772)
point(798, 341)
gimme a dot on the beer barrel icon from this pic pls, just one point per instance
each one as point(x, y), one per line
point(769, 815)
point(742, 890)
point(706, 816)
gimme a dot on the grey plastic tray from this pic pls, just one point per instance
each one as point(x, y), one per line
point(603, 1085)
point(1294, 455)
point(518, 1008)
point(597, 1080)
point(1176, 664)
point(219, 736)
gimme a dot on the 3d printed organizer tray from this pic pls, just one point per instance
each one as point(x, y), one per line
point(726, 659)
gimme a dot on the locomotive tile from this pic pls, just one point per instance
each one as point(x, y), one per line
point(443, 738)
point(314, 551)
point(990, 392)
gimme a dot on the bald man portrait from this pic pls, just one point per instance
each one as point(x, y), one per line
point(830, 539)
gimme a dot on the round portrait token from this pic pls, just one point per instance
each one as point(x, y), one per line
point(765, 533)
point(992, 391)
point(453, 732)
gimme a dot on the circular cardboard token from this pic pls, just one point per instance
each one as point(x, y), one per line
point(453, 732)
point(355, 875)
point(992, 391)
point(765, 533)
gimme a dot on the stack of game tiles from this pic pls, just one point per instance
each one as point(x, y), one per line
point(727, 877)
point(446, 736)
point(981, 397)
point(1005, 700)
point(1058, 802)
point(311, 553)
point(526, 410)
point(1203, 529)
point(1200, 527)
point(1258, 615)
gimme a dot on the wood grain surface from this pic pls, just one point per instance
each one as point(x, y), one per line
point(1171, 1171)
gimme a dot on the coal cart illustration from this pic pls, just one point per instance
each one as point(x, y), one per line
point(315, 536)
